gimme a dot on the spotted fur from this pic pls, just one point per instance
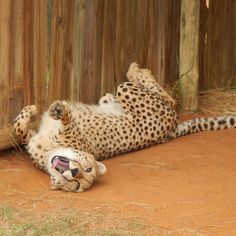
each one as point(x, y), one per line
point(74, 137)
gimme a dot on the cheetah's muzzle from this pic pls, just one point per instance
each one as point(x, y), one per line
point(61, 164)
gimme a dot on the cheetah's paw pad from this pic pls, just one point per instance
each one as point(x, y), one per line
point(58, 110)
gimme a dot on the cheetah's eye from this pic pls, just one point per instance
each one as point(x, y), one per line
point(89, 169)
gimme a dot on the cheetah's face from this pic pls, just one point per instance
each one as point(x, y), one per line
point(73, 170)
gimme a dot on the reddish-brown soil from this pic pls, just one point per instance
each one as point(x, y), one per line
point(184, 187)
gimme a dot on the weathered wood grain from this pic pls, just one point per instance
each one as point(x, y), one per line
point(28, 75)
point(220, 54)
point(188, 55)
point(5, 63)
point(40, 55)
point(125, 38)
point(16, 62)
point(61, 57)
point(78, 48)
point(108, 49)
point(87, 84)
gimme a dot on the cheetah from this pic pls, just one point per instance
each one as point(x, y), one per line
point(73, 138)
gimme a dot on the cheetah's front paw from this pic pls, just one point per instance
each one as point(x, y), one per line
point(28, 114)
point(59, 110)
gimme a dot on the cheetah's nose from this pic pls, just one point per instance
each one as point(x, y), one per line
point(74, 172)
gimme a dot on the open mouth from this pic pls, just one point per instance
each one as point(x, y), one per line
point(61, 164)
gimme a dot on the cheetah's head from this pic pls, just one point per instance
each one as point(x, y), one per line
point(73, 170)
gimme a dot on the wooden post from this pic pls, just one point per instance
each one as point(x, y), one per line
point(189, 55)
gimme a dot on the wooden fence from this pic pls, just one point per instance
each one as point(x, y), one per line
point(217, 44)
point(80, 49)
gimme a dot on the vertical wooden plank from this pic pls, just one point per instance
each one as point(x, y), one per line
point(98, 47)
point(16, 78)
point(173, 37)
point(67, 73)
point(87, 84)
point(125, 38)
point(232, 59)
point(160, 43)
point(28, 53)
point(78, 48)
point(119, 50)
point(61, 49)
point(90, 51)
point(57, 51)
point(144, 34)
point(164, 52)
point(152, 57)
point(108, 48)
point(40, 47)
point(5, 12)
point(220, 59)
point(202, 42)
point(189, 58)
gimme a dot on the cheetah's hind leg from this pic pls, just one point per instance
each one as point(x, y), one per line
point(21, 123)
point(144, 77)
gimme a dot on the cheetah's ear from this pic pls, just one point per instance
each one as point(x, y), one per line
point(101, 168)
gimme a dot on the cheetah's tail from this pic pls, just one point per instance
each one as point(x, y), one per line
point(204, 124)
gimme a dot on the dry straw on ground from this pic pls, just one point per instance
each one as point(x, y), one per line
point(218, 101)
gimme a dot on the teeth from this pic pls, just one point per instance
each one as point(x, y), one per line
point(59, 170)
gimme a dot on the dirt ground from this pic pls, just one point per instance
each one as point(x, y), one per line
point(185, 187)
